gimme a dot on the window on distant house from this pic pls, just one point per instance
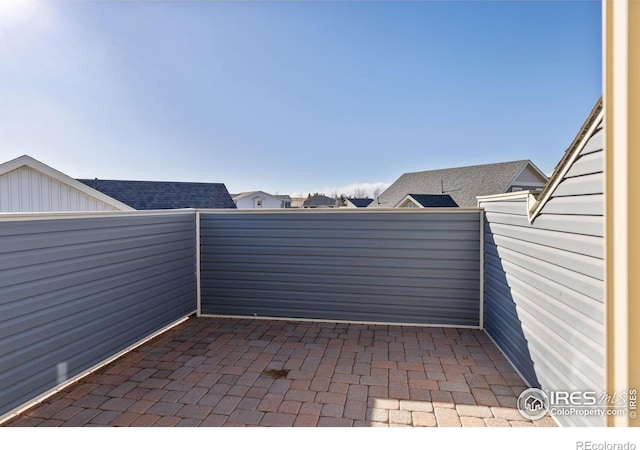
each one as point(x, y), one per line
point(258, 202)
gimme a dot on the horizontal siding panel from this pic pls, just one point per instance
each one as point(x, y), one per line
point(595, 143)
point(14, 292)
point(44, 309)
point(562, 294)
point(77, 266)
point(340, 237)
point(584, 185)
point(38, 240)
point(466, 261)
point(259, 288)
point(437, 250)
point(344, 245)
point(575, 243)
point(543, 282)
point(77, 291)
point(587, 164)
point(586, 205)
point(387, 267)
point(574, 262)
point(337, 218)
point(583, 284)
point(288, 270)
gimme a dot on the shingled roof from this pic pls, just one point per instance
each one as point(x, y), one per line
point(360, 202)
point(319, 201)
point(463, 184)
point(143, 195)
point(434, 200)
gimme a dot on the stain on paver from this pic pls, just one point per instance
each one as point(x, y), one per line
point(275, 373)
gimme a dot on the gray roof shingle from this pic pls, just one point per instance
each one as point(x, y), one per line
point(463, 184)
point(360, 202)
point(144, 195)
point(318, 201)
point(434, 200)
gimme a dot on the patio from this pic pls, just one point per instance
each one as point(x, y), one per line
point(237, 372)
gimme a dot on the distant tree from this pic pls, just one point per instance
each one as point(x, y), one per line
point(376, 193)
point(360, 193)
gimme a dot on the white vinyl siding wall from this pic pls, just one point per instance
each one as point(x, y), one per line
point(28, 190)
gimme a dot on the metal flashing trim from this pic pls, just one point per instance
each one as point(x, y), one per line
point(354, 322)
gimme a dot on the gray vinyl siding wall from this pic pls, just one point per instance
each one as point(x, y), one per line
point(544, 289)
point(76, 291)
point(394, 267)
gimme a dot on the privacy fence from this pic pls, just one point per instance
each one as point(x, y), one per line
point(77, 291)
point(392, 267)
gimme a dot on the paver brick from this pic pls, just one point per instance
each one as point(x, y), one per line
point(334, 422)
point(356, 410)
point(246, 417)
point(492, 422)
point(164, 409)
point(484, 397)
point(447, 417)
point(124, 420)
point(423, 419)
point(378, 414)
point(117, 404)
point(306, 420)
point(442, 399)
point(397, 417)
point(506, 413)
point(290, 407)
point(270, 402)
point(411, 405)
point(331, 397)
point(273, 419)
point(474, 411)
point(194, 412)
point(357, 392)
point(145, 421)
point(311, 408)
point(453, 386)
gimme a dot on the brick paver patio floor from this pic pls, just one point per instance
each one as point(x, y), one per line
point(228, 372)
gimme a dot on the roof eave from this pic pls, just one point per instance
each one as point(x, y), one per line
point(571, 155)
point(28, 161)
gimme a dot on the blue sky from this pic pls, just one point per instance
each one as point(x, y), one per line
point(294, 97)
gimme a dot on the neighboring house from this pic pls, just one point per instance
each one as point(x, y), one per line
point(27, 185)
point(320, 201)
point(464, 184)
point(427, 201)
point(260, 199)
point(285, 199)
point(297, 202)
point(145, 195)
point(357, 202)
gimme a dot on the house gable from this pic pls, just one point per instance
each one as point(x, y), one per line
point(27, 185)
point(463, 184)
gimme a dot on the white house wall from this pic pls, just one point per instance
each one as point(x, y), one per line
point(29, 190)
point(529, 177)
point(267, 202)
